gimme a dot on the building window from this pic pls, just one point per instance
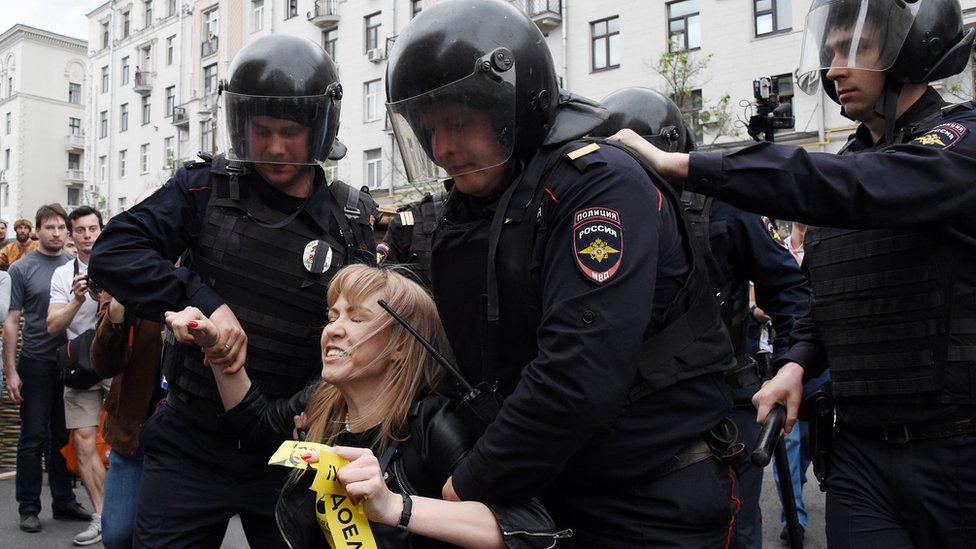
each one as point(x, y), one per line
point(122, 203)
point(145, 54)
point(123, 117)
point(147, 14)
point(773, 16)
point(6, 123)
point(684, 26)
point(170, 7)
point(210, 79)
point(146, 109)
point(74, 161)
point(103, 124)
point(206, 136)
point(105, 79)
point(416, 6)
point(74, 92)
point(144, 157)
point(372, 26)
point(125, 70)
point(74, 126)
point(122, 163)
point(329, 39)
point(6, 159)
point(170, 100)
point(693, 110)
point(374, 168)
point(210, 30)
point(170, 49)
point(74, 196)
point(605, 40)
point(257, 15)
point(103, 168)
point(105, 34)
point(372, 94)
point(291, 8)
point(125, 24)
point(169, 150)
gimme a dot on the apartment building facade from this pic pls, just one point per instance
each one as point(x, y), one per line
point(597, 47)
point(42, 106)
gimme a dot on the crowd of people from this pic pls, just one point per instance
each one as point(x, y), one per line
point(557, 349)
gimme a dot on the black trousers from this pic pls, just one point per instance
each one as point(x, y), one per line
point(195, 480)
point(691, 508)
point(920, 494)
point(747, 532)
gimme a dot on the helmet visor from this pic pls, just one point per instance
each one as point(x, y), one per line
point(463, 127)
point(275, 130)
point(853, 34)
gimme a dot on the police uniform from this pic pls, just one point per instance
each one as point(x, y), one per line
point(893, 313)
point(409, 236)
point(745, 248)
point(270, 257)
point(603, 340)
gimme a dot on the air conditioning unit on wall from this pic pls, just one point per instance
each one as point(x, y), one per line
point(376, 55)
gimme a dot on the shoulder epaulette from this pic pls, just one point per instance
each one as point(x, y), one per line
point(406, 218)
point(582, 151)
point(966, 105)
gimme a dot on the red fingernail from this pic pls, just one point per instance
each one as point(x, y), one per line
point(307, 456)
point(192, 324)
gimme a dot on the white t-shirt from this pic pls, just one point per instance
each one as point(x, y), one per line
point(61, 293)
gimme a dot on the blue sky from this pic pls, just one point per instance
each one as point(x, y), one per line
point(61, 16)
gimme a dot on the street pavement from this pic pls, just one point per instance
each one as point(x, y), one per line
point(58, 534)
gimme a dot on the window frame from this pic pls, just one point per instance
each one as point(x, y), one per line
point(371, 163)
point(72, 88)
point(334, 31)
point(124, 117)
point(103, 124)
point(685, 47)
point(373, 30)
point(146, 109)
point(606, 38)
point(773, 12)
point(257, 15)
point(210, 83)
point(291, 9)
point(377, 99)
point(105, 80)
point(122, 162)
point(125, 71)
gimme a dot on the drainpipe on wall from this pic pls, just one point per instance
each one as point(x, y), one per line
point(565, 10)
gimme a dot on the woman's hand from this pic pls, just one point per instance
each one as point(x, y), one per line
point(363, 481)
point(191, 326)
point(301, 427)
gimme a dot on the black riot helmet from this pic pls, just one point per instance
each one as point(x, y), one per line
point(280, 78)
point(651, 115)
point(913, 41)
point(465, 63)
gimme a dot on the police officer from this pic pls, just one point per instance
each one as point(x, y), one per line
point(265, 234)
point(893, 313)
point(563, 277)
point(742, 247)
point(409, 236)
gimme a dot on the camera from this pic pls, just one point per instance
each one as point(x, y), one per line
point(771, 115)
point(92, 285)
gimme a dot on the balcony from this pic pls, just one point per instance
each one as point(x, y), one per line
point(74, 177)
point(325, 14)
point(143, 82)
point(74, 143)
point(547, 14)
point(180, 118)
point(208, 47)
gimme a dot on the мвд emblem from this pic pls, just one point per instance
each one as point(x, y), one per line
point(598, 243)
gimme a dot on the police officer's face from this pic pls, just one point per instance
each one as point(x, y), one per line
point(84, 231)
point(279, 147)
point(51, 233)
point(352, 348)
point(857, 89)
point(463, 141)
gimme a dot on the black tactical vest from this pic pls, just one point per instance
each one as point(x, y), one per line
point(896, 309)
point(255, 258)
point(424, 216)
point(483, 284)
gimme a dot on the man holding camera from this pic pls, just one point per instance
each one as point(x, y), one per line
point(35, 381)
point(72, 310)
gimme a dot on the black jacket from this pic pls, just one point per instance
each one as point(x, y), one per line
point(422, 463)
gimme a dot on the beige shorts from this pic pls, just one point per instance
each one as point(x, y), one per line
point(82, 406)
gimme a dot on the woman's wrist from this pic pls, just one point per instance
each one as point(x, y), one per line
point(394, 510)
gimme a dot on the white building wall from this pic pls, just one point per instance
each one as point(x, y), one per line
point(42, 64)
point(728, 40)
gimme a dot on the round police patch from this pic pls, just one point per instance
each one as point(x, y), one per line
point(317, 256)
point(598, 243)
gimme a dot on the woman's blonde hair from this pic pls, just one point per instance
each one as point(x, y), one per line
point(412, 369)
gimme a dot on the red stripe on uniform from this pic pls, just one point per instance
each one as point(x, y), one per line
point(552, 196)
point(738, 505)
point(195, 189)
point(660, 201)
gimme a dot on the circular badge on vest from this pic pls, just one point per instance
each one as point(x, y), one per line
point(317, 256)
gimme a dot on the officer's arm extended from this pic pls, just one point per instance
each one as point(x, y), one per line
point(133, 257)
point(900, 184)
point(589, 338)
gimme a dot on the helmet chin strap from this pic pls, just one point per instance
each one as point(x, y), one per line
point(887, 108)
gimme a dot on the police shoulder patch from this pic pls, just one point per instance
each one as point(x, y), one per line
point(943, 136)
point(598, 243)
point(770, 227)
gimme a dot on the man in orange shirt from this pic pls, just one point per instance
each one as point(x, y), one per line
point(22, 246)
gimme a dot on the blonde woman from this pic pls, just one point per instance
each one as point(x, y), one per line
point(378, 408)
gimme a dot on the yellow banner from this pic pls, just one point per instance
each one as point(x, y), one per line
point(344, 524)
